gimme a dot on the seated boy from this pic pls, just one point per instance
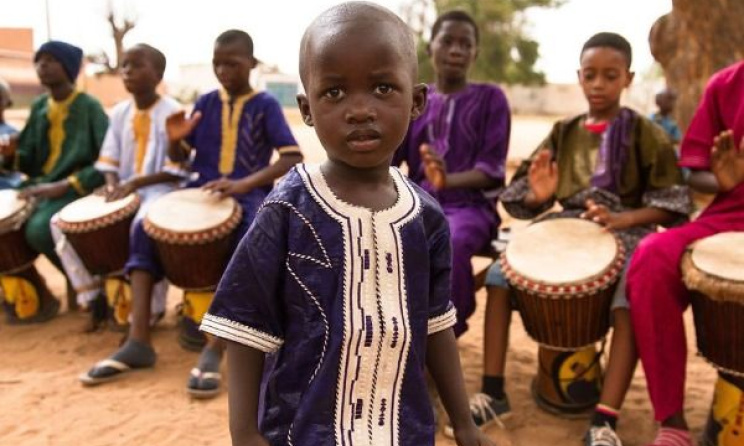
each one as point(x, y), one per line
point(713, 149)
point(609, 165)
point(338, 296)
point(56, 148)
point(457, 150)
point(132, 159)
point(233, 132)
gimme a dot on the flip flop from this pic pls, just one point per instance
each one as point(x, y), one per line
point(104, 371)
point(203, 385)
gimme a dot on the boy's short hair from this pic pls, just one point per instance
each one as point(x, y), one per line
point(610, 40)
point(157, 58)
point(455, 16)
point(236, 36)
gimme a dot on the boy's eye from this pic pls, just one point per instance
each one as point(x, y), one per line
point(383, 89)
point(333, 93)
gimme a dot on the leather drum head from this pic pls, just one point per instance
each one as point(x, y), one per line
point(561, 251)
point(92, 207)
point(10, 204)
point(721, 255)
point(190, 210)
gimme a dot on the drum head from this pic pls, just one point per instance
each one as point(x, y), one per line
point(92, 207)
point(561, 251)
point(10, 204)
point(721, 255)
point(190, 210)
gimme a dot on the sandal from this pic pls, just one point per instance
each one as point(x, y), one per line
point(203, 385)
point(104, 371)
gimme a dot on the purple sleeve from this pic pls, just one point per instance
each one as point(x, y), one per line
point(491, 158)
point(277, 128)
point(706, 124)
point(442, 314)
point(247, 306)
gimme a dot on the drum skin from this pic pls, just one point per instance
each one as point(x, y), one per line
point(16, 253)
point(565, 298)
point(102, 243)
point(193, 255)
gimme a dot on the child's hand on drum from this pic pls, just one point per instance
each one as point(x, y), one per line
point(114, 192)
point(727, 161)
point(179, 127)
point(47, 190)
point(543, 179)
point(224, 187)
point(599, 213)
point(435, 168)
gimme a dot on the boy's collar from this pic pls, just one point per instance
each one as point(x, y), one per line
point(226, 97)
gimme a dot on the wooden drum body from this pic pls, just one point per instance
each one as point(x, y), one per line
point(564, 272)
point(15, 254)
point(99, 230)
point(194, 232)
point(713, 269)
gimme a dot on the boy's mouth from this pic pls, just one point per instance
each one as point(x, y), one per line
point(363, 140)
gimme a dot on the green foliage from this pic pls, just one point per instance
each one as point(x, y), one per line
point(505, 54)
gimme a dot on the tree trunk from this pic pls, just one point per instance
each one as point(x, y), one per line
point(694, 41)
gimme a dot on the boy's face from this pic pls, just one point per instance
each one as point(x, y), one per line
point(360, 96)
point(50, 71)
point(232, 66)
point(453, 49)
point(665, 102)
point(603, 76)
point(138, 72)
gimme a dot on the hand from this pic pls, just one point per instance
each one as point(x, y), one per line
point(8, 145)
point(179, 127)
point(114, 192)
point(224, 187)
point(599, 213)
point(727, 161)
point(542, 177)
point(47, 190)
point(435, 168)
point(472, 436)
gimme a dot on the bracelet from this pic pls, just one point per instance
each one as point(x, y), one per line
point(184, 146)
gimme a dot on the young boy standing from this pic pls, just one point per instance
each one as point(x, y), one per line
point(666, 99)
point(57, 147)
point(132, 159)
point(233, 132)
point(609, 165)
point(457, 150)
point(338, 297)
point(7, 179)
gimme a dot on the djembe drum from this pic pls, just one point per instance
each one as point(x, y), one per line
point(564, 273)
point(194, 233)
point(99, 232)
point(713, 270)
point(24, 290)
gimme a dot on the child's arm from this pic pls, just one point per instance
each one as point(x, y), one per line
point(263, 177)
point(703, 181)
point(244, 370)
point(179, 128)
point(436, 172)
point(443, 362)
point(116, 190)
point(601, 214)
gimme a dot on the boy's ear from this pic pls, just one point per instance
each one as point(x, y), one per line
point(419, 100)
point(304, 105)
point(631, 75)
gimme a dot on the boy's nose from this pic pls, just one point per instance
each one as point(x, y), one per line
point(360, 111)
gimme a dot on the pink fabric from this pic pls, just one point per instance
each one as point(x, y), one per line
point(672, 437)
point(658, 298)
point(721, 108)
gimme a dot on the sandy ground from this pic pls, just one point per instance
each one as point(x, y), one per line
point(42, 403)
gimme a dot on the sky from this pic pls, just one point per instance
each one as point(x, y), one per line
point(185, 30)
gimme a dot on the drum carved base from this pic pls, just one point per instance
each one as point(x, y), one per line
point(725, 425)
point(26, 297)
point(568, 384)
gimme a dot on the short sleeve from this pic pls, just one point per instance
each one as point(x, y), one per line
point(706, 124)
point(247, 306)
point(442, 314)
point(109, 159)
point(491, 156)
point(277, 129)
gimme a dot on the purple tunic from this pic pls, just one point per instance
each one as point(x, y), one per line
point(470, 130)
point(342, 299)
